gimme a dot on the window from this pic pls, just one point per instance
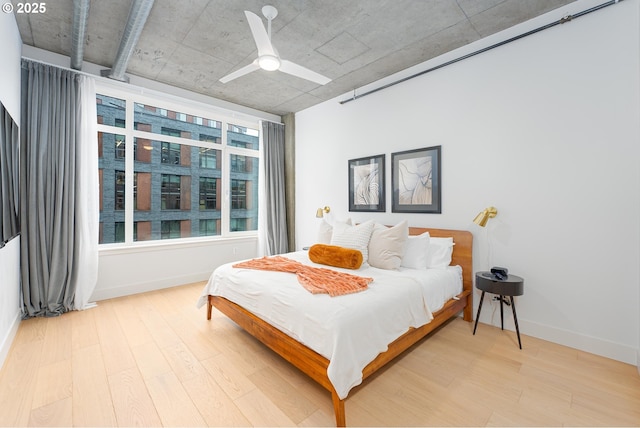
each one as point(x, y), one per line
point(208, 194)
point(170, 229)
point(120, 148)
point(208, 227)
point(171, 153)
point(209, 158)
point(170, 192)
point(150, 167)
point(119, 189)
point(119, 232)
point(238, 224)
point(238, 194)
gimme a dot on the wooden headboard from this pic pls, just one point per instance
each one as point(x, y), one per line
point(462, 250)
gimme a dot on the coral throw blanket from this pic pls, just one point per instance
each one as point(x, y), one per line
point(315, 280)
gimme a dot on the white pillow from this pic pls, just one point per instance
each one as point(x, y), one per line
point(325, 231)
point(386, 246)
point(354, 237)
point(440, 251)
point(416, 252)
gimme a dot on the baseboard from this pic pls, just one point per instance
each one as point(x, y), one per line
point(593, 345)
point(143, 287)
point(7, 340)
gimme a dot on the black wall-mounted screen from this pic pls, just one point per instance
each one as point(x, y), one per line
point(9, 164)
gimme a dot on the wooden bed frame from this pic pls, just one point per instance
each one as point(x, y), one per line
point(315, 365)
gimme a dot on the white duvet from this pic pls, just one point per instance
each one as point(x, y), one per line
point(350, 330)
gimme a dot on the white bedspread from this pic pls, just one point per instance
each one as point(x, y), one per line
point(350, 330)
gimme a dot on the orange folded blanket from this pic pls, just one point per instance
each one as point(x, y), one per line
point(332, 255)
point(313, 279)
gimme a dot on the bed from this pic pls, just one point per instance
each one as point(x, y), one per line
point(329, 362)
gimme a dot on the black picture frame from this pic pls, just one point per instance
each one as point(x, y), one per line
point(416, 181)
point(367, 184)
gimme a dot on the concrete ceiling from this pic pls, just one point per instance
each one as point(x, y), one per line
point(191, 44)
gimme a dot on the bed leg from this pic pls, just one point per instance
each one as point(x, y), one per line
point(338, 409)
point(209, 308)
point(467, 314)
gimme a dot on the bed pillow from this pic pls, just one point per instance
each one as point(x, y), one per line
point(325, 230)
point(354, 237)
point(386, 246)
point(416, 252)
point(333, 255)
point(440, 251)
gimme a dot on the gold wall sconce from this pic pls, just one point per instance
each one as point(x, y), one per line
point(320, 212)
point(484, 216)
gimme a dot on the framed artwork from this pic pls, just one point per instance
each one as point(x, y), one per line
point(366, 184)
point(415, 180)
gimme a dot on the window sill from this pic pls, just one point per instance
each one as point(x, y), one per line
point(171, 244)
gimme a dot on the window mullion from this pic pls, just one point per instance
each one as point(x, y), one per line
point(225, 225)
point(129, 174)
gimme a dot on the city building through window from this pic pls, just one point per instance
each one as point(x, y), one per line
point(167, 174)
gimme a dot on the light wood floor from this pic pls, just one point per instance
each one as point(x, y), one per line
point(154, 360)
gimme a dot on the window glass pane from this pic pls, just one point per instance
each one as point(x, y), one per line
point(168, 122)
point(111, 182)
point(244, 193)
point(111, 111)
point(239, 136)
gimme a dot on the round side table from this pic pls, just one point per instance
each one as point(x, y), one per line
point(511, 286)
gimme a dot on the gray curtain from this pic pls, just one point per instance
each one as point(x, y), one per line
point(49, 129)
point(275, 216)
point(9, 152)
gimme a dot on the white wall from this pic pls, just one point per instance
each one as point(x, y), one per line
point(544, 128)
point(10, 254)
point(128, 271)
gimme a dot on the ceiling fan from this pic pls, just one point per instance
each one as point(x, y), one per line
point(268, 58)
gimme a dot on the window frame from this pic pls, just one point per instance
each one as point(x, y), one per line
point(166, 102)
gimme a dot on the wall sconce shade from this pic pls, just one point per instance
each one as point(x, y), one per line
point(322, 211)
point(484, 216)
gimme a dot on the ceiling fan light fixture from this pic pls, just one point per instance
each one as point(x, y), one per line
point(268, 58)
point(269, 62)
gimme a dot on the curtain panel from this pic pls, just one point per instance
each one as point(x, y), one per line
point(58, 190)
point(273, 211)
point(9, 155)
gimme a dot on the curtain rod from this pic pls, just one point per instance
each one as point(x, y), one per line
point(49, 64)
point(562, 20)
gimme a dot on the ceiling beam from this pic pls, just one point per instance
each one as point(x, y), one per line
point(79, 30)
point(138, 15)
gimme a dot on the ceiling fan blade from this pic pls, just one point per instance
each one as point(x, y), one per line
point(300, 71)
point(241, 72)
point(260, 35)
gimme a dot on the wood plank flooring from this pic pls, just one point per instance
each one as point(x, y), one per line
point(154, 360)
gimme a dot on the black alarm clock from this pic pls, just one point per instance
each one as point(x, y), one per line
point(500, 273)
